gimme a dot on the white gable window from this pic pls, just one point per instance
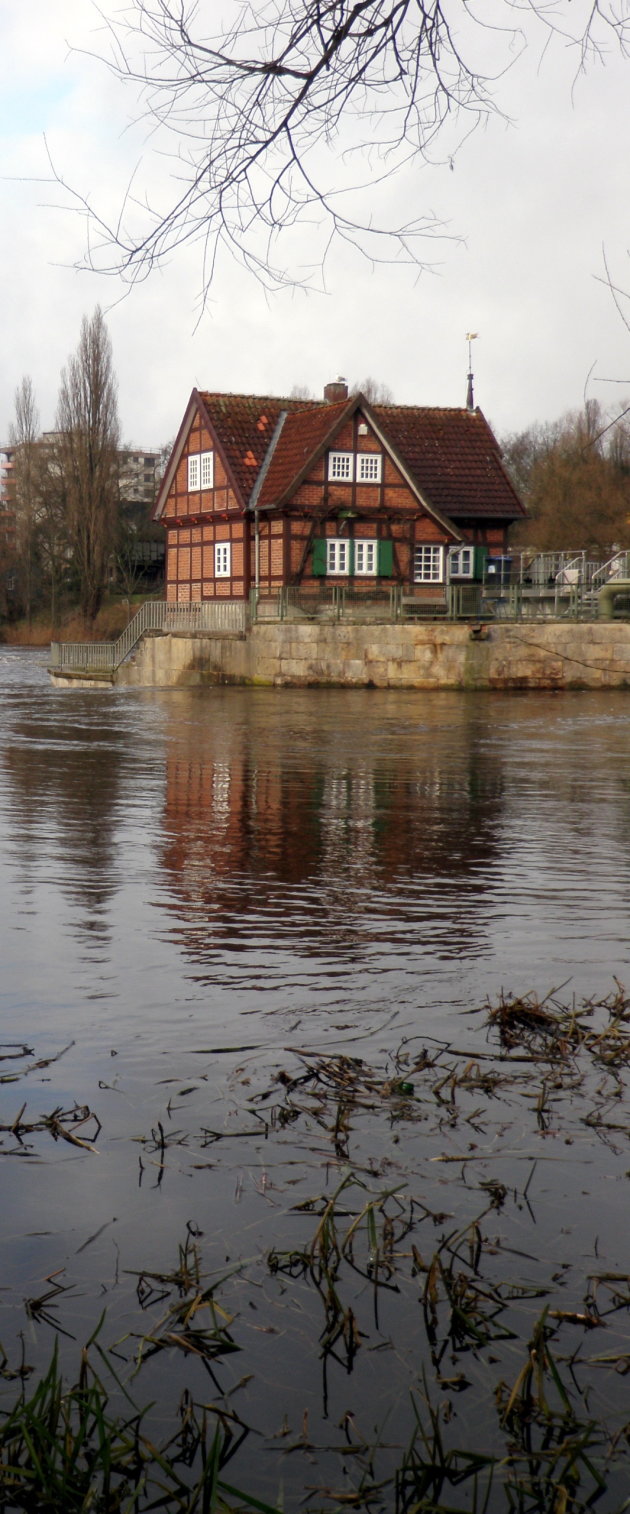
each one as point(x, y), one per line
point(341, 467)
point(428, 565)
point(337, 555)
point(222, 559)
point(365, 558)
point(369, 466)
point(200, 471)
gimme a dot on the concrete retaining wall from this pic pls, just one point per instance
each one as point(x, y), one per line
point(553, 655)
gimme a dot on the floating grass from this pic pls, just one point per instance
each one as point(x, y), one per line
point(63, 1451)
point(415, 1328)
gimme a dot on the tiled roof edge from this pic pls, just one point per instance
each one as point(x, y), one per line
point(421, 495)
point(173, 462)
point(255, 494)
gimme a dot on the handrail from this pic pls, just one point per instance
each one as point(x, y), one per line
point(154, 615)
point(616, 567)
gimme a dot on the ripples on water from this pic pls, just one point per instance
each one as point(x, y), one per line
point(187, 872)
point(430, 848)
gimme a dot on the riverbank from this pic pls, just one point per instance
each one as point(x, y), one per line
point(435, 655)
point(40, 631)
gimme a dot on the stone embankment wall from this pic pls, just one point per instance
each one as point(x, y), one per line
point(551, 655)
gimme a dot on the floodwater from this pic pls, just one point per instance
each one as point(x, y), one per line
point(204, 889)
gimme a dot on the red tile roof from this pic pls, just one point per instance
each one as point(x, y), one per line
point(303, 433)
point(451, 455)
point(455, 459)
point(244, 425)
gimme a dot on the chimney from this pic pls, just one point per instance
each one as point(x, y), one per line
point(336, 392)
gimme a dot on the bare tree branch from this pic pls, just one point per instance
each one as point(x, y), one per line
point(260, 124)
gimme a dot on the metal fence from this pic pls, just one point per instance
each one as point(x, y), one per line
point(527, 585)
point(214, 618)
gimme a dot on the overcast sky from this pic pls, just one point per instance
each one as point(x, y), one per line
point(528, 207)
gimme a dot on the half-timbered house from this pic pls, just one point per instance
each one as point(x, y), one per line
point(263, 493)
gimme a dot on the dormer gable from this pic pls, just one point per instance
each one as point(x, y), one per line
point(345, 444)
point(198, 480)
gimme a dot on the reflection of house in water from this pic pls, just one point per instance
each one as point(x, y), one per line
point(65, 789)
point(312, 832)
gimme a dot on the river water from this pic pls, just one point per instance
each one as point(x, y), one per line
point(199, 886)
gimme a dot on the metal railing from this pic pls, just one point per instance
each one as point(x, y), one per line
point(215, 618)
point(532, 586)
point(336, 602)
point(616, 567)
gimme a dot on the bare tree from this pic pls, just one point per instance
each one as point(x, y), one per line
point(23, 438)
point(574, 481)
point(23, 434)
point(38, 500)
point(375, 392)
point(300, 109)
point(86, 459)
point(54, 553)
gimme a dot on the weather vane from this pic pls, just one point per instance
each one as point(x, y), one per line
point(471, 336)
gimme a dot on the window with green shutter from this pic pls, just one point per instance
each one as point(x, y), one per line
point(319, 557)
point(481, 557)
point(385, 559)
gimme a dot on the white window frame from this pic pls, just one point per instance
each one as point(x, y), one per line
point(369, 467)
point(337, 555)
point(461, 562)
point(200, 471)
point(341, 467)
point(428, 564)
point(366, 557)
point(222, 559)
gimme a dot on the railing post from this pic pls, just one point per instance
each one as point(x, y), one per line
point(515, 600)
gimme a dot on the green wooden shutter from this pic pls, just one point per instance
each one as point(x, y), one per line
point(479, 563)
point(385, 559)
point(319, 556)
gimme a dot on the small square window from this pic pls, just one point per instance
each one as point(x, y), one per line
point(428, 565)
point(341, 467)
point(365, 558)
point(368, 467)
point(222, 555)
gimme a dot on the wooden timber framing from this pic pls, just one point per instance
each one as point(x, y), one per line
point(262, 493)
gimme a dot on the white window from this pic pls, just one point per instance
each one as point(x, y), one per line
point(428, 565)
point(365, 558)
point(461, 562)
point(222, 555)
point(341, 466)
point(200, 471)
point(368, 467)
point(337, 555)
